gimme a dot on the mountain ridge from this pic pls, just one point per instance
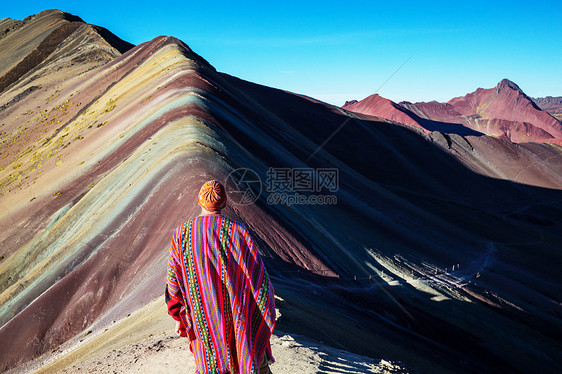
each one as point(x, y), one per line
point(44, 33)
point(504, 111)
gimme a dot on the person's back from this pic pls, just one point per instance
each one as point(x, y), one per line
point(220, 292)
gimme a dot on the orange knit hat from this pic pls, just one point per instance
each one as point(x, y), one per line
point(212, 196)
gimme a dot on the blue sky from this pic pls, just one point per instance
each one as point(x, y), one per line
point(338, 51)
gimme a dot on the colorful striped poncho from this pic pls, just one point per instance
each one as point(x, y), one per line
point(220, 290)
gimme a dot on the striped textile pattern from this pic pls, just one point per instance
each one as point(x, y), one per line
point(227, 302)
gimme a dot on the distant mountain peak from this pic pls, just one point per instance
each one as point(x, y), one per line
point(506, 83)
point(504, 110)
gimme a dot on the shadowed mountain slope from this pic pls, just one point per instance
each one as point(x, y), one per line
point(552, 105)
point(96, 177)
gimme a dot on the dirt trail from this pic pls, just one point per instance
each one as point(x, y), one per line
point(144, 342)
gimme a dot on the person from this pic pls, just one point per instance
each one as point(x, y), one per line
point(218, 290)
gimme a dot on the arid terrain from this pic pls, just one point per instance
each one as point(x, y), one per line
point(399, 237)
